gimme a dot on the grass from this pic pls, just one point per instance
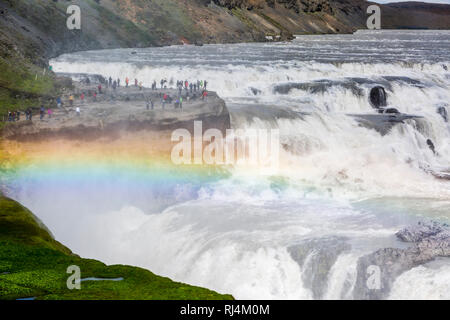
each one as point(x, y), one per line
point(273, 22)
point(237, 12)
point(22, 83)
point(124, 29)
point(33, 264)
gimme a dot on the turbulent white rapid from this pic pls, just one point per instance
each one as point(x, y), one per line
point(341, 192)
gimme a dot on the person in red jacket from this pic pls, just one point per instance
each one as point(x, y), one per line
point(164, 100)
point(205, 95)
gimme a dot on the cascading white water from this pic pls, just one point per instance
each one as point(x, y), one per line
point(337, 180)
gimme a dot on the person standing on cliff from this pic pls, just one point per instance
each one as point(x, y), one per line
point(78, 111)
point(49, 112)
point(82, 97)
point(149, 103)
point(29, 113)
point(135, 82)
point(118, 83)
point(42, 112)
point(71, 100)
point(127, 82)
point(164, 100)
point(58, 102)
point(100, 88)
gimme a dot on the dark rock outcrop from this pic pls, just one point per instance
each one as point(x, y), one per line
point(382, 123)
point(378, 97)
point(319, 86)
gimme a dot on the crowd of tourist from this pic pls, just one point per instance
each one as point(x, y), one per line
point(185, 91)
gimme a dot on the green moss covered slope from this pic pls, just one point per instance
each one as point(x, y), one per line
point(34, 265)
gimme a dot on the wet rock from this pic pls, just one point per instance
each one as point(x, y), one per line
point(428, 235)
point(316, 257)
point(255, 91)
point(388, 110)
point(443, 112)
point(430, 240)
point(431, 145)
point(403, 80)
point(318, 86)
point(383, 123)
point(378, 97)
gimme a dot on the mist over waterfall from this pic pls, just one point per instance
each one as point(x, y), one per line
point(342, 190)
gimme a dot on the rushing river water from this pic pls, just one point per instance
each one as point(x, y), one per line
point(342, 190)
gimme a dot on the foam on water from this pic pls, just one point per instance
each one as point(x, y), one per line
point(429, 282)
